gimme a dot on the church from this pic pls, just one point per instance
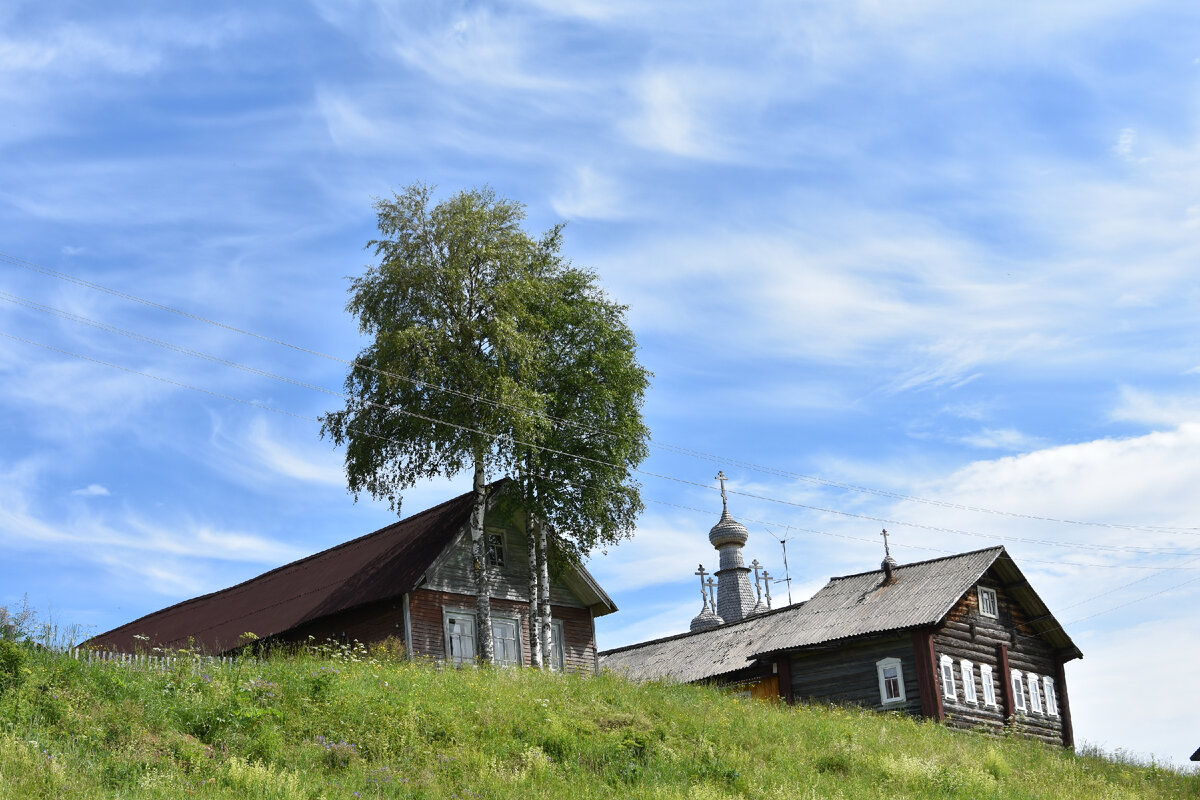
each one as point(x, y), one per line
point(963, 639)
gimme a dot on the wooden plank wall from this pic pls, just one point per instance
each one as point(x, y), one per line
point(846, 673)
point(425, 610)
point(452, 573)
point(968, 634)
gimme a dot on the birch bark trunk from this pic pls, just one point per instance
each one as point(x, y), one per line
point(483, 599)
point(535, 614)
point(544, 580)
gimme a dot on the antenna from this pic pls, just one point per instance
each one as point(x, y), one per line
point(787, 575)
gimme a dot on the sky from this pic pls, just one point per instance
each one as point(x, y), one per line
point(929, 266)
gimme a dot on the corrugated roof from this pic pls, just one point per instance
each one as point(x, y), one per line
point(697, 656)
point(847, 607)
point(378, 566)
point(857, 605)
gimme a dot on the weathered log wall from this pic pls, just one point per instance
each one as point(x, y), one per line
point(968, 634)
point(846, 673)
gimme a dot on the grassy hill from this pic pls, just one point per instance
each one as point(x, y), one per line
point(355, 725)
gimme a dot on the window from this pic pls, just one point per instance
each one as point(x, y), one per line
point(989, 606)
point(891, 681)
point(948, 689)
point(460, 637)
point(495, 548)
point(968, 679)
point(506, 641)
point(557, 662)
point(1035, 696)
point(1018, 690)
point(989, 688)
point(1051, 696)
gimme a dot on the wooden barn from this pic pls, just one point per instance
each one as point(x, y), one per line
point(962, 639)
point(410, 580)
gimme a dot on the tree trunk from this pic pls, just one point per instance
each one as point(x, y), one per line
point(483, 600)
point(535, 615)
point(544, 580)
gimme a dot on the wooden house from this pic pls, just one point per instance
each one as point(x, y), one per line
point(962, 639)
point(410, 580)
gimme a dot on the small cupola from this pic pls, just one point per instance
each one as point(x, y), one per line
point(888, 565)
point(708, 617)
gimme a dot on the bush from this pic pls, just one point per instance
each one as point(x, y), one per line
point(12, 665)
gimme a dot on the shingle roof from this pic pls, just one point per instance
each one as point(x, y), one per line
point(378, 566)
point(847, 607)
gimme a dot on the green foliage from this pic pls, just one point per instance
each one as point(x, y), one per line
point(12, 665)
point(388, 729)
point(489, 347)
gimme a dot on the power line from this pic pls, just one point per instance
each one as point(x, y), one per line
point(469, 429)
point(677, 449)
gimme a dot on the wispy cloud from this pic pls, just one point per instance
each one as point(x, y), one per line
point(92, 490)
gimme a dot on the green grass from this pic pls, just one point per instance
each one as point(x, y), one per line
point(310, 727)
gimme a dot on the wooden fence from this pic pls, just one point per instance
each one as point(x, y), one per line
point(146, 661)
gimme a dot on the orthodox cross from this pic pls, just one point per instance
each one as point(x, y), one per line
point(757, 587)
point(887, 551)
point(703, 594)
point(767, 581)
point(712, 592)
point(721, 477)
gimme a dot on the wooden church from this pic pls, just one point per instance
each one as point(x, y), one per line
point(962, 639)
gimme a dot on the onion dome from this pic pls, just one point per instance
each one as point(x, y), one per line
point(728, 531)
point(705, 619)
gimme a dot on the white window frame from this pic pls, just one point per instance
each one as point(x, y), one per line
point(1017, 687)
point(455, 616)
point(519, 657)
point(949, 691)
point(1051, 696)
point(989, 687)
point(881, 668)
point(968, 678)
point(558, 660)
point(1035, 695)
point(989, 602)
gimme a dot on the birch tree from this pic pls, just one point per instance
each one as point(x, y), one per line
point(575, 481)
point(441, 388)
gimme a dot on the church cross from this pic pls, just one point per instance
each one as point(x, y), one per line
point(703, 594)
point(887, 551)
point(757, 586)
point(721, 477)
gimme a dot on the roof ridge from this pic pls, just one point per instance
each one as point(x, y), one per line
point(998, 547)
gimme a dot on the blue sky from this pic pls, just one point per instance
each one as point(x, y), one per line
point(936, 250)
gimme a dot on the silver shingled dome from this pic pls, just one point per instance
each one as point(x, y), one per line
point(728, 531)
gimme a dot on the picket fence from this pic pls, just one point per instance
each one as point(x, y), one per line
point(147, 661)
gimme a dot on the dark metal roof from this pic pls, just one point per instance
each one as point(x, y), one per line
point(378, 566)
point(848, 607)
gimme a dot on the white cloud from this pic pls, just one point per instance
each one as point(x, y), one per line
point(589, 194)
point(1155, 409)
point(1133, 663)
point(1000, 439)
point(92, 490)
point(680, 112)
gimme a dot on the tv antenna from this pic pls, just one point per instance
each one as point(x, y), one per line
point(787, 575)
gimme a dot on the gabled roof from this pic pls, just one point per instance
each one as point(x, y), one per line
point(922, 594)
point(378, 566)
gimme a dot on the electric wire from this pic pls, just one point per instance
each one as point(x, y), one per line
point(49, 272)
point(469, 429)
point(393, 409)
point(265, 407)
